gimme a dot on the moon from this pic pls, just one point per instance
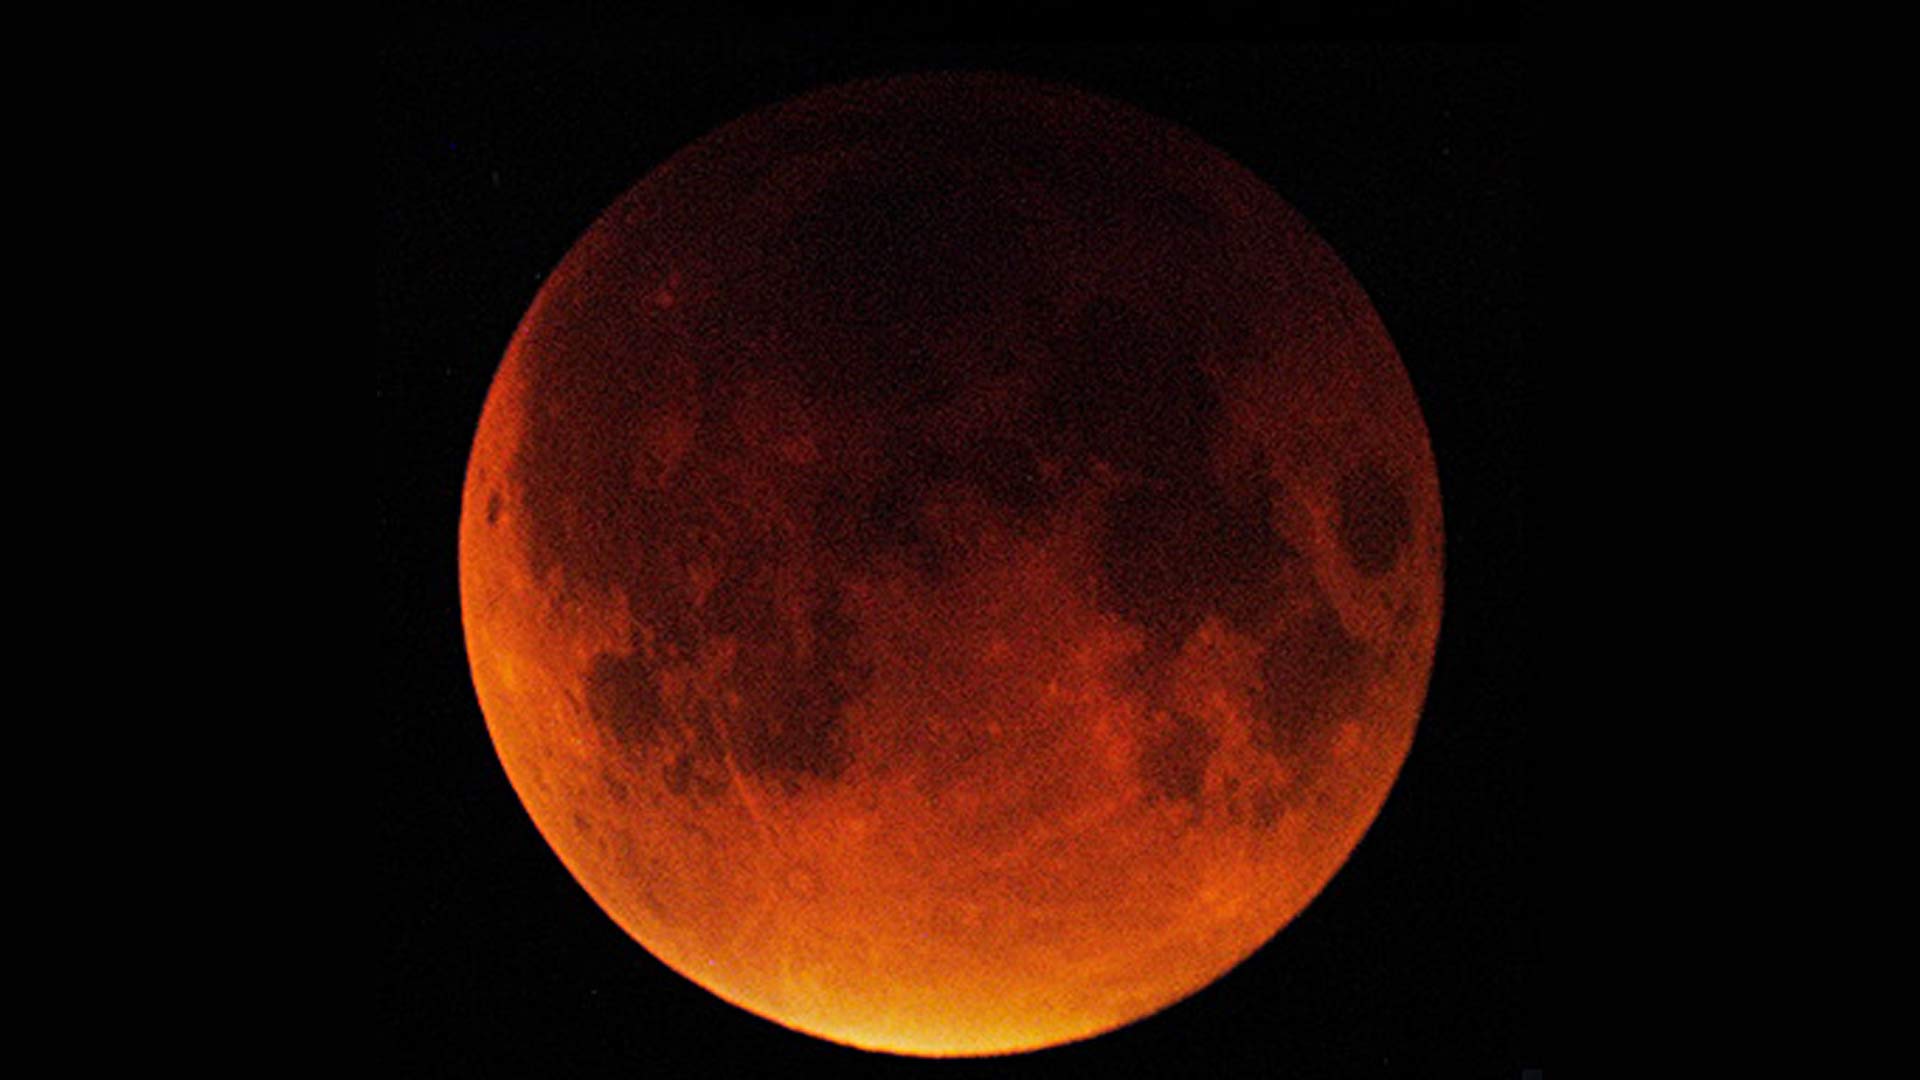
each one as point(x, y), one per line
point(951, 564)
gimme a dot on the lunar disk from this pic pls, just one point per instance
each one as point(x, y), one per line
point(951, 564)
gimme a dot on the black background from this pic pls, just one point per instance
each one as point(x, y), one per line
point(497, 145)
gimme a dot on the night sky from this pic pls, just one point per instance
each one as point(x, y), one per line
point(497, 146)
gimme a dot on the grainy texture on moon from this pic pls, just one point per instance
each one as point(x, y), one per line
point(951, 564)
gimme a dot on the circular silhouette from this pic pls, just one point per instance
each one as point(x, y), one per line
point(951, 564)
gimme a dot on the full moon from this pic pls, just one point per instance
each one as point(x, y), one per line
point(951, 564)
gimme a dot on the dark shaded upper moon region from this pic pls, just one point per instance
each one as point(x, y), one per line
point(951, 563)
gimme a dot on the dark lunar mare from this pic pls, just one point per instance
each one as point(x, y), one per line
point(929, 224)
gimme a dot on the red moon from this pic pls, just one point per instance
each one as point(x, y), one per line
point(951, 564)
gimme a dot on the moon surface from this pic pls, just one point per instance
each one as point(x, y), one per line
point(951, 564)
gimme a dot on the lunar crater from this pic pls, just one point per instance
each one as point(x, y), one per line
point(1375, 522)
